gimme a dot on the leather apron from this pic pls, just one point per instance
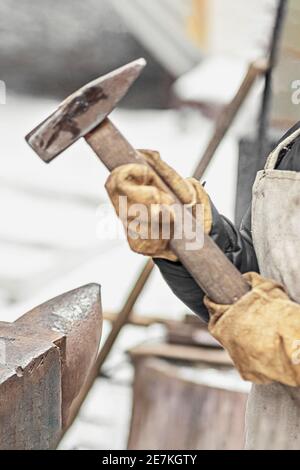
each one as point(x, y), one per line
point(273, 412)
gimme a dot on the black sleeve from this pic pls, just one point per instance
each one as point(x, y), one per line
point(289, 158)
point(237, 246)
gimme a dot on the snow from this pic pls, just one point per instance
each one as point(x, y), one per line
point(215, 80)
point(50, 243)
point(49, 235)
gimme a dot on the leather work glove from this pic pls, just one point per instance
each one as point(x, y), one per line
point(261, 332)
point(141, 185)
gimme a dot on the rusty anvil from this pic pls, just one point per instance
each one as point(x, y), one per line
point(84, 114)
point(45, 359)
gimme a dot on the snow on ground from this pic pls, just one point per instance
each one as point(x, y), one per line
point(50, 231)
point(50, 243)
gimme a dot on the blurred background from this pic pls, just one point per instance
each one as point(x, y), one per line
point(198, 53)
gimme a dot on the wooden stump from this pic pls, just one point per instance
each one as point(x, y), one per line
point(175, 409)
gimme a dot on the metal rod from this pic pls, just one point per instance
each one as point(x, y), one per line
point(267, 96)
point(228, 115)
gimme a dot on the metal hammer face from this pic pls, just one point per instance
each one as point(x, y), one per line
point(83, 111)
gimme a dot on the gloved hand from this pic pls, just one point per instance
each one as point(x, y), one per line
point(141, 185)
point(261, 332)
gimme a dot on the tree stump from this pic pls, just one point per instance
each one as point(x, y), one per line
point(176, 407)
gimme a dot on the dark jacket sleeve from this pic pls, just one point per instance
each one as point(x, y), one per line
point(235, 243)
point(237, 246)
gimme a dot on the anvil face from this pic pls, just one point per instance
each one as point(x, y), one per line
point(45, 360)
point(83, 111)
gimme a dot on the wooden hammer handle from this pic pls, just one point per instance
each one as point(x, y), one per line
point(210, 268)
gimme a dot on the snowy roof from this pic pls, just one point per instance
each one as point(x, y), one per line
point(161, 26)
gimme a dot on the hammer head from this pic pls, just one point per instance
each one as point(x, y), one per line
point(83, 111)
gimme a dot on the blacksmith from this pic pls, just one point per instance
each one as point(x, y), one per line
point(262, 330)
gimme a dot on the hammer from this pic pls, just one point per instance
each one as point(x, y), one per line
point(85, 114)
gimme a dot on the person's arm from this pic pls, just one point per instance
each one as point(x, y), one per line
point(237, 246)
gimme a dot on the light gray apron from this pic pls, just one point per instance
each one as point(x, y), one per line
point(273, 412)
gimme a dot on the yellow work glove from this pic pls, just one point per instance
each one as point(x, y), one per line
point(141, 185)
point(261, 332)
